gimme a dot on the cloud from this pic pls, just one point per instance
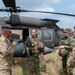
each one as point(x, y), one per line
point(48, 5)
point(49, 9)
point(40, 15)
point(1, 4)
point(71, 6)
point(33, 4)
point(55, 1)
point(66, 22)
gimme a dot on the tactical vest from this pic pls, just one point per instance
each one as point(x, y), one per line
point(37, 44)
point(6, 56)
point(34, 44)
point(64, 51)
point(65, 41)
point(2, 45)
point(72, 42)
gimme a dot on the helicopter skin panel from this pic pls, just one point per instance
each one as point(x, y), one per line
point(55, 21)
point(16, 20)
point(9, 3)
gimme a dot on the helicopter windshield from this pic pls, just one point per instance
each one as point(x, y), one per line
point(47, 35)
point(39, 34)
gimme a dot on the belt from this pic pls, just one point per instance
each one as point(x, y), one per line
point(35, 53)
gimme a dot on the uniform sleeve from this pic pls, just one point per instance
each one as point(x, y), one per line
point(40, 45)
point(72, 43)
point(26, 42)
point(68, 46)
point(10, 49)
point(7, 49)
point(70, 57)
point(72, 53)
point(62, 42)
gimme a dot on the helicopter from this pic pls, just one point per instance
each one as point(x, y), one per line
point(46, 28)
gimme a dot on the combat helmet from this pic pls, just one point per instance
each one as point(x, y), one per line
point(63, 52)
point(68, 30)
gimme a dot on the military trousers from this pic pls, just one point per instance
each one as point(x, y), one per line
point(34, 63)
point(71, 71)
point(38, 64)
point(74, 71)
point(66, 70)
point(5, 72)
point(64, 66)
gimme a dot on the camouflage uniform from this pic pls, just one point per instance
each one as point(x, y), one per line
point(37, 61)
point(6, 56)
point(72, 55)
point(64, 52)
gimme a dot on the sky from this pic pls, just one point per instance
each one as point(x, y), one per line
point(61, 6)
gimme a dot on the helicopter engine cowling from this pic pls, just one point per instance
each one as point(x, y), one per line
point(16, 20)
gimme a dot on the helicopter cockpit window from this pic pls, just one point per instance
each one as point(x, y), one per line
point(47, 35)
point(39, 33)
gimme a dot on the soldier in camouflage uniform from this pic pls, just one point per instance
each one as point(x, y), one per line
point(6, 52)
point(64, 49)
point(71, 59)
point(37, 62)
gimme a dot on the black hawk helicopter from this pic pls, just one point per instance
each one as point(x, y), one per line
point(46, 28)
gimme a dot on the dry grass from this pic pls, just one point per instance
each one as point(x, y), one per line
point(53, 64)
point(21, 67)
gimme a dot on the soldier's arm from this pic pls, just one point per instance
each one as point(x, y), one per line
point(61, 42)
point(7, 49)
point(41, 45)
point(70, 59)
point(26, 42)
point(61, 45)
point(11, 47)
point(69, 46)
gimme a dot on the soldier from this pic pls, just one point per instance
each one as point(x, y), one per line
point(6, 52)
point(71, 59)
point(37, 59)
point(64, 49)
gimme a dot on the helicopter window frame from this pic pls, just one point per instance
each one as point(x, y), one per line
point(47, 36)
point(39, 33)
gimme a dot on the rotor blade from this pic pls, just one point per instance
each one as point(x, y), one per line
point(48, 12)
point(9, 3)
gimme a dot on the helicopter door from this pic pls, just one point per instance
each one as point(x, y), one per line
point(25, 33)
point(48, 37)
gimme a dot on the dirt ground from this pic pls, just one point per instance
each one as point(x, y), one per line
point(53, 65)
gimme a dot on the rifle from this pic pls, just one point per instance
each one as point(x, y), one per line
point(29, 50)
